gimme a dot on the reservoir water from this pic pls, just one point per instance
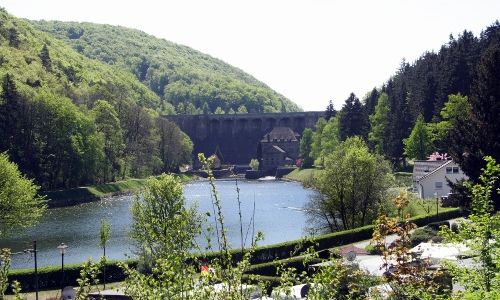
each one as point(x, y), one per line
point(278, 214)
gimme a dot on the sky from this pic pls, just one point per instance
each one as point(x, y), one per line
point(309, 51)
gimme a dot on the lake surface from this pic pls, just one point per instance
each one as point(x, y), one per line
point(278, 213)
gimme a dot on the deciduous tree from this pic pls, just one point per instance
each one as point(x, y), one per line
point(418, 145)
point(20, 204)
point(306, 148)
point(353, 185)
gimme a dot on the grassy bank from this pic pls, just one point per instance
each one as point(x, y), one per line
point(91, 193)
point(304, 176)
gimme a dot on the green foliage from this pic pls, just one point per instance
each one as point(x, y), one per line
point(478, 135)
point(316, 141)
point(304, 176)
point(408, 277)
point(352, 187)
point(455, 111)
point(219, 111)
point(424, 235)
point(418, 145)
point(353, 120)
point(4, 270)
point(162, 225)
point(175, 146)
point(53, 124)
point(337, 280)
point(88, 279)
point(104, 233)
point(177, 74)
point(254, 164)
point(109, 127)
point(20, 204)
point(481, 234)
point(49, 277)
point(330, 138)
point(306, 148)
point(379, 122)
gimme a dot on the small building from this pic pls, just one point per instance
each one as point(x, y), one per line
point(430, 178)
point(279, 147)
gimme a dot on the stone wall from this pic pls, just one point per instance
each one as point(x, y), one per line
point(238, 136)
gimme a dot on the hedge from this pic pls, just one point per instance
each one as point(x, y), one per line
point(49, 277)
point(271, 268)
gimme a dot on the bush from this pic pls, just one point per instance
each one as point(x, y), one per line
point(371, 249)
point(423, 235)
point(450, 201)
point(271, 268)
point(437, 225)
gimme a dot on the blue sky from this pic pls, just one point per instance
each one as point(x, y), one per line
point(310, 51)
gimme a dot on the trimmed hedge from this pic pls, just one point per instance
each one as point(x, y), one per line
point(49, 277)
point(271, 268)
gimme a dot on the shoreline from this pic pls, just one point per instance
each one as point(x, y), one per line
point(93, 193)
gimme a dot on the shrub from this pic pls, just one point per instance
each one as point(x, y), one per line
point(437, 225)
point(373, 250)
point(422, 235)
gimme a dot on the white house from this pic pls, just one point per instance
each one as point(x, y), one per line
point(430, 177)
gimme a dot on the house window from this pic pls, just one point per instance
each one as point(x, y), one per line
point(438, 185)
point(449, 170)
point(455, 170)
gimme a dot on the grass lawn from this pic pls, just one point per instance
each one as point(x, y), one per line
point(305, 176)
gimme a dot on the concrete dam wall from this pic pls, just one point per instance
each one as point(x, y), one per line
point(237, 136)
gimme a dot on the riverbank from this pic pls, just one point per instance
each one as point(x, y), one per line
point(69, 197)
point(304, 176)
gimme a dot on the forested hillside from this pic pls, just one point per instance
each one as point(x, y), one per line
point(442, 102)
point(67, 120)
point(424, 87)
point(192, 81)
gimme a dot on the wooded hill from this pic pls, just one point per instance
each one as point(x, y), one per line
point(434, 87)
point(191, 81)
point(424, 86)
point(67, 120)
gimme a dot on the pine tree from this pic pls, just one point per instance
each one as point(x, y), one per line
point(379, 122)
point(477, 136)
point(353, 119)
point(330, 111)
point(370, 101)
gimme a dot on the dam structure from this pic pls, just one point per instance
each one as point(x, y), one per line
point(235, 138)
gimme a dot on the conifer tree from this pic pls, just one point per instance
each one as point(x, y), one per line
point(379, 124)
point(330, 111)
point(353, 119)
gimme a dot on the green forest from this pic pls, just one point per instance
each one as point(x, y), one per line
point(81, 103)
point(67, 120)
point(191, 81)
point(445, 101)
point(446, 94)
